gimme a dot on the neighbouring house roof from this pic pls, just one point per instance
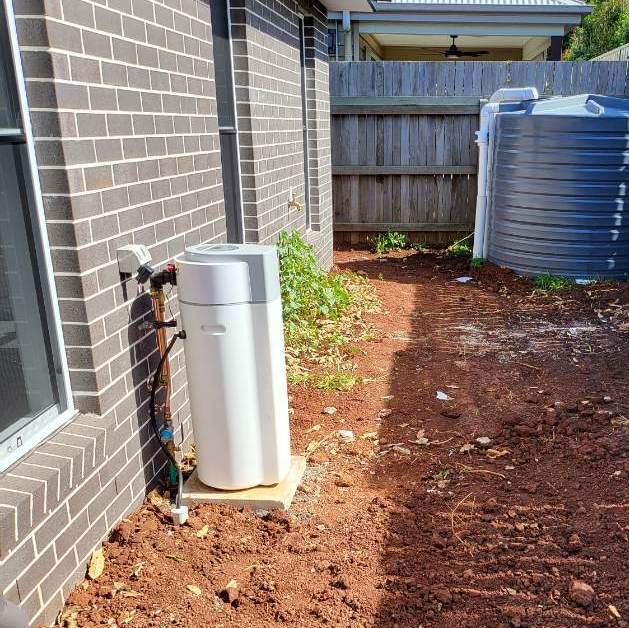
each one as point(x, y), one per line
point(522, 18)
point(347, 5)
point(467, 5)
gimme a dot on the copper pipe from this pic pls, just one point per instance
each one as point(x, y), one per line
point(158, 302)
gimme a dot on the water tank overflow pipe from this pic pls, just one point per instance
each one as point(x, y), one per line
point(162, 379)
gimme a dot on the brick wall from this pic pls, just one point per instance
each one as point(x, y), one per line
point(121, 98)
point(122, 104)
point(269, 107)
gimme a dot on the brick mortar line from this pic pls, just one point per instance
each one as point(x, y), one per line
point(116, 36)
point(145, 90)
point(139, 206)
point(105, 265)
point(113, 260)
point(132, 15)
point(131, 160)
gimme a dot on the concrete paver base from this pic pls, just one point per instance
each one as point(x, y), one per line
point(259, 498)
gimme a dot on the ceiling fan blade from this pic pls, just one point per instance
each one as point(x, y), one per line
point(476, 53)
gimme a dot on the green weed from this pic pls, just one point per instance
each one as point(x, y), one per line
point(420, 247)
point(476, 262)
point(340, 380)
point(389, 241)
point(460, 248)
point(552, 283)
point(323, 312)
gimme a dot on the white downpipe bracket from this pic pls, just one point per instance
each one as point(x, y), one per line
point(483, 139)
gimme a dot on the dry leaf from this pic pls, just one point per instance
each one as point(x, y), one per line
point(620, 421)
point(511, 591)
point(613, 611)
point(97, 564)
point(370, 435)
point(497, 453)
point(155, 498)
point(312, 445)
point(421, 441)
point(131, 593)
point(193, 588)
point(175, 557)
point(137, 571)
point(466, 448)
point(67, 618)
point(129, 617)
point(421, 434)
point(202, 533)
point(314, 428)
point(401, 450)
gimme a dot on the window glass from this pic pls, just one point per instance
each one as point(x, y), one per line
point(9, 116)
point(32, 394)
point(27, 382)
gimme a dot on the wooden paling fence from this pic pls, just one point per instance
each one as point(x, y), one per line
point(404, 155)
point(617, 54)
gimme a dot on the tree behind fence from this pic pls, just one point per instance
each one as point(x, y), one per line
point(403, 137)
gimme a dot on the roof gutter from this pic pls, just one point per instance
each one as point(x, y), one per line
point(408, 7)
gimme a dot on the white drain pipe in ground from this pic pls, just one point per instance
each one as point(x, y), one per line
point(483, 138)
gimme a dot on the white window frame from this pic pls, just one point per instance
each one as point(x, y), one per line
point(37, 430)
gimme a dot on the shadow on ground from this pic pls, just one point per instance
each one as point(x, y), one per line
point(497, 535)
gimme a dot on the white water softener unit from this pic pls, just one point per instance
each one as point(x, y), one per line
point(231, 309)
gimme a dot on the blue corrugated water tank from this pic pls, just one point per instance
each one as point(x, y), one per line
point(559, 192)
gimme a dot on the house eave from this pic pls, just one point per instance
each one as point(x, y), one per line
point(404, 7)
point(338, 6)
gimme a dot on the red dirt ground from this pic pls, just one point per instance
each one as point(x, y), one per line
point(390, 533)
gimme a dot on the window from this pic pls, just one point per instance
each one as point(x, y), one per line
point(332, 43)
point(33, 387)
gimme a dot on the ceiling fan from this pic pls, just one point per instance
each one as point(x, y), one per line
point(454, 53)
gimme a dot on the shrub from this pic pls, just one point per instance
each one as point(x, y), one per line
point(389, 241)
point(323, 312)
point(308, 293)
point(606, 28)
point(420, 247)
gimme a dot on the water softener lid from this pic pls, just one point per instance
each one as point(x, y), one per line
point(212, 282)
point(261, 261)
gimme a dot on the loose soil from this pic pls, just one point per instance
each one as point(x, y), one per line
point(415, 524)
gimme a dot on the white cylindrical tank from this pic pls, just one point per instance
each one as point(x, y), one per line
point(231, 311)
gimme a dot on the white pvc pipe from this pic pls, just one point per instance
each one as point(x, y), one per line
point(347, 30)
point(483, 138)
